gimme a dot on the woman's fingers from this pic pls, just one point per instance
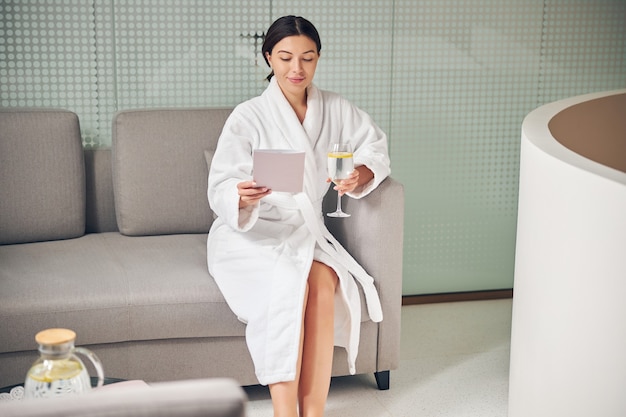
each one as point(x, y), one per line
point(250, 194)
point(349, 184)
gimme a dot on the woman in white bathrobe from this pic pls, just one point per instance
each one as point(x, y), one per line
point(279, 268)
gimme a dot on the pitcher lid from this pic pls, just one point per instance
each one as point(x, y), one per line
point(55, 336)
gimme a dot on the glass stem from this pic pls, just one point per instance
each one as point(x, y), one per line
point(339, 203)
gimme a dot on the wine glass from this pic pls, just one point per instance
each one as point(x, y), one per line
point(340, 165)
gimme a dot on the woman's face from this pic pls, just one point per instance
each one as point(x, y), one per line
point(293, 61)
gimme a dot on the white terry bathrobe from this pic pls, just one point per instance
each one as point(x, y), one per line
point(260, 256)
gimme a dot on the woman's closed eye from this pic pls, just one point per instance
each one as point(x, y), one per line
point(303, 59)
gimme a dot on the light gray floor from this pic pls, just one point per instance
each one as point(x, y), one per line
point(454, 361)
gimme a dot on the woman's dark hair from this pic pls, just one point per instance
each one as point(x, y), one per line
point(288, 26)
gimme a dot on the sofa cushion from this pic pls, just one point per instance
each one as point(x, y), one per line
point(42, 176)
point(143, 288)
point(159, 169)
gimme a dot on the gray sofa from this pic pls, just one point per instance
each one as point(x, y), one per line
point(112, 244)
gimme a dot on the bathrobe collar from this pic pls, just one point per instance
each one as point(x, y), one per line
point(300, 136)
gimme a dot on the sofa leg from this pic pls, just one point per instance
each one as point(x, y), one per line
point(382, 380)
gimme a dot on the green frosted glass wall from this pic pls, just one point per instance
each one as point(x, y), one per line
point(449, 81)
point(465, 75)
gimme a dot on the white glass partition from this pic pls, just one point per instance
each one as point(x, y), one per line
point(449, 81)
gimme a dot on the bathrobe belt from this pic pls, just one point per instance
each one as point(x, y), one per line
point(330, 245)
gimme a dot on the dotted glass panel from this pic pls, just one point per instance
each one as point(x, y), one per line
point(47, 58)
point(449, 81)
point(188, 53)
point(583, 48)
point(356, 49)
point(465, 74)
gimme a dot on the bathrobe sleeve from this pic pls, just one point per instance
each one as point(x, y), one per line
point(232, 164)
point(369, 144)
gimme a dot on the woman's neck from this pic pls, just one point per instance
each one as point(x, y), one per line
point(300, 111)
point(298, 103)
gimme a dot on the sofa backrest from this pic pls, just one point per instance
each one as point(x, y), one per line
point(42, 175)
point(160, 170)
point(51, 188)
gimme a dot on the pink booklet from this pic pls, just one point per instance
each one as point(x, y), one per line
point(279, 169)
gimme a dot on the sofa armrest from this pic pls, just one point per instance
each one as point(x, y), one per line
point(374, 235)
point(191, 398)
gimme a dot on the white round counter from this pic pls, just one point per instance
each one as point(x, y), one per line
point(568, 342)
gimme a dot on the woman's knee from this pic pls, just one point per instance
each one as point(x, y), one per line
point(322, 279)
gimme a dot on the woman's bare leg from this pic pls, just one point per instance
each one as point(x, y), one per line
point(317, 350)
point(285, 394)
point(310, 388)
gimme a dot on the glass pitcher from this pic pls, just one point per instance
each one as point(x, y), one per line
point(58, 371)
